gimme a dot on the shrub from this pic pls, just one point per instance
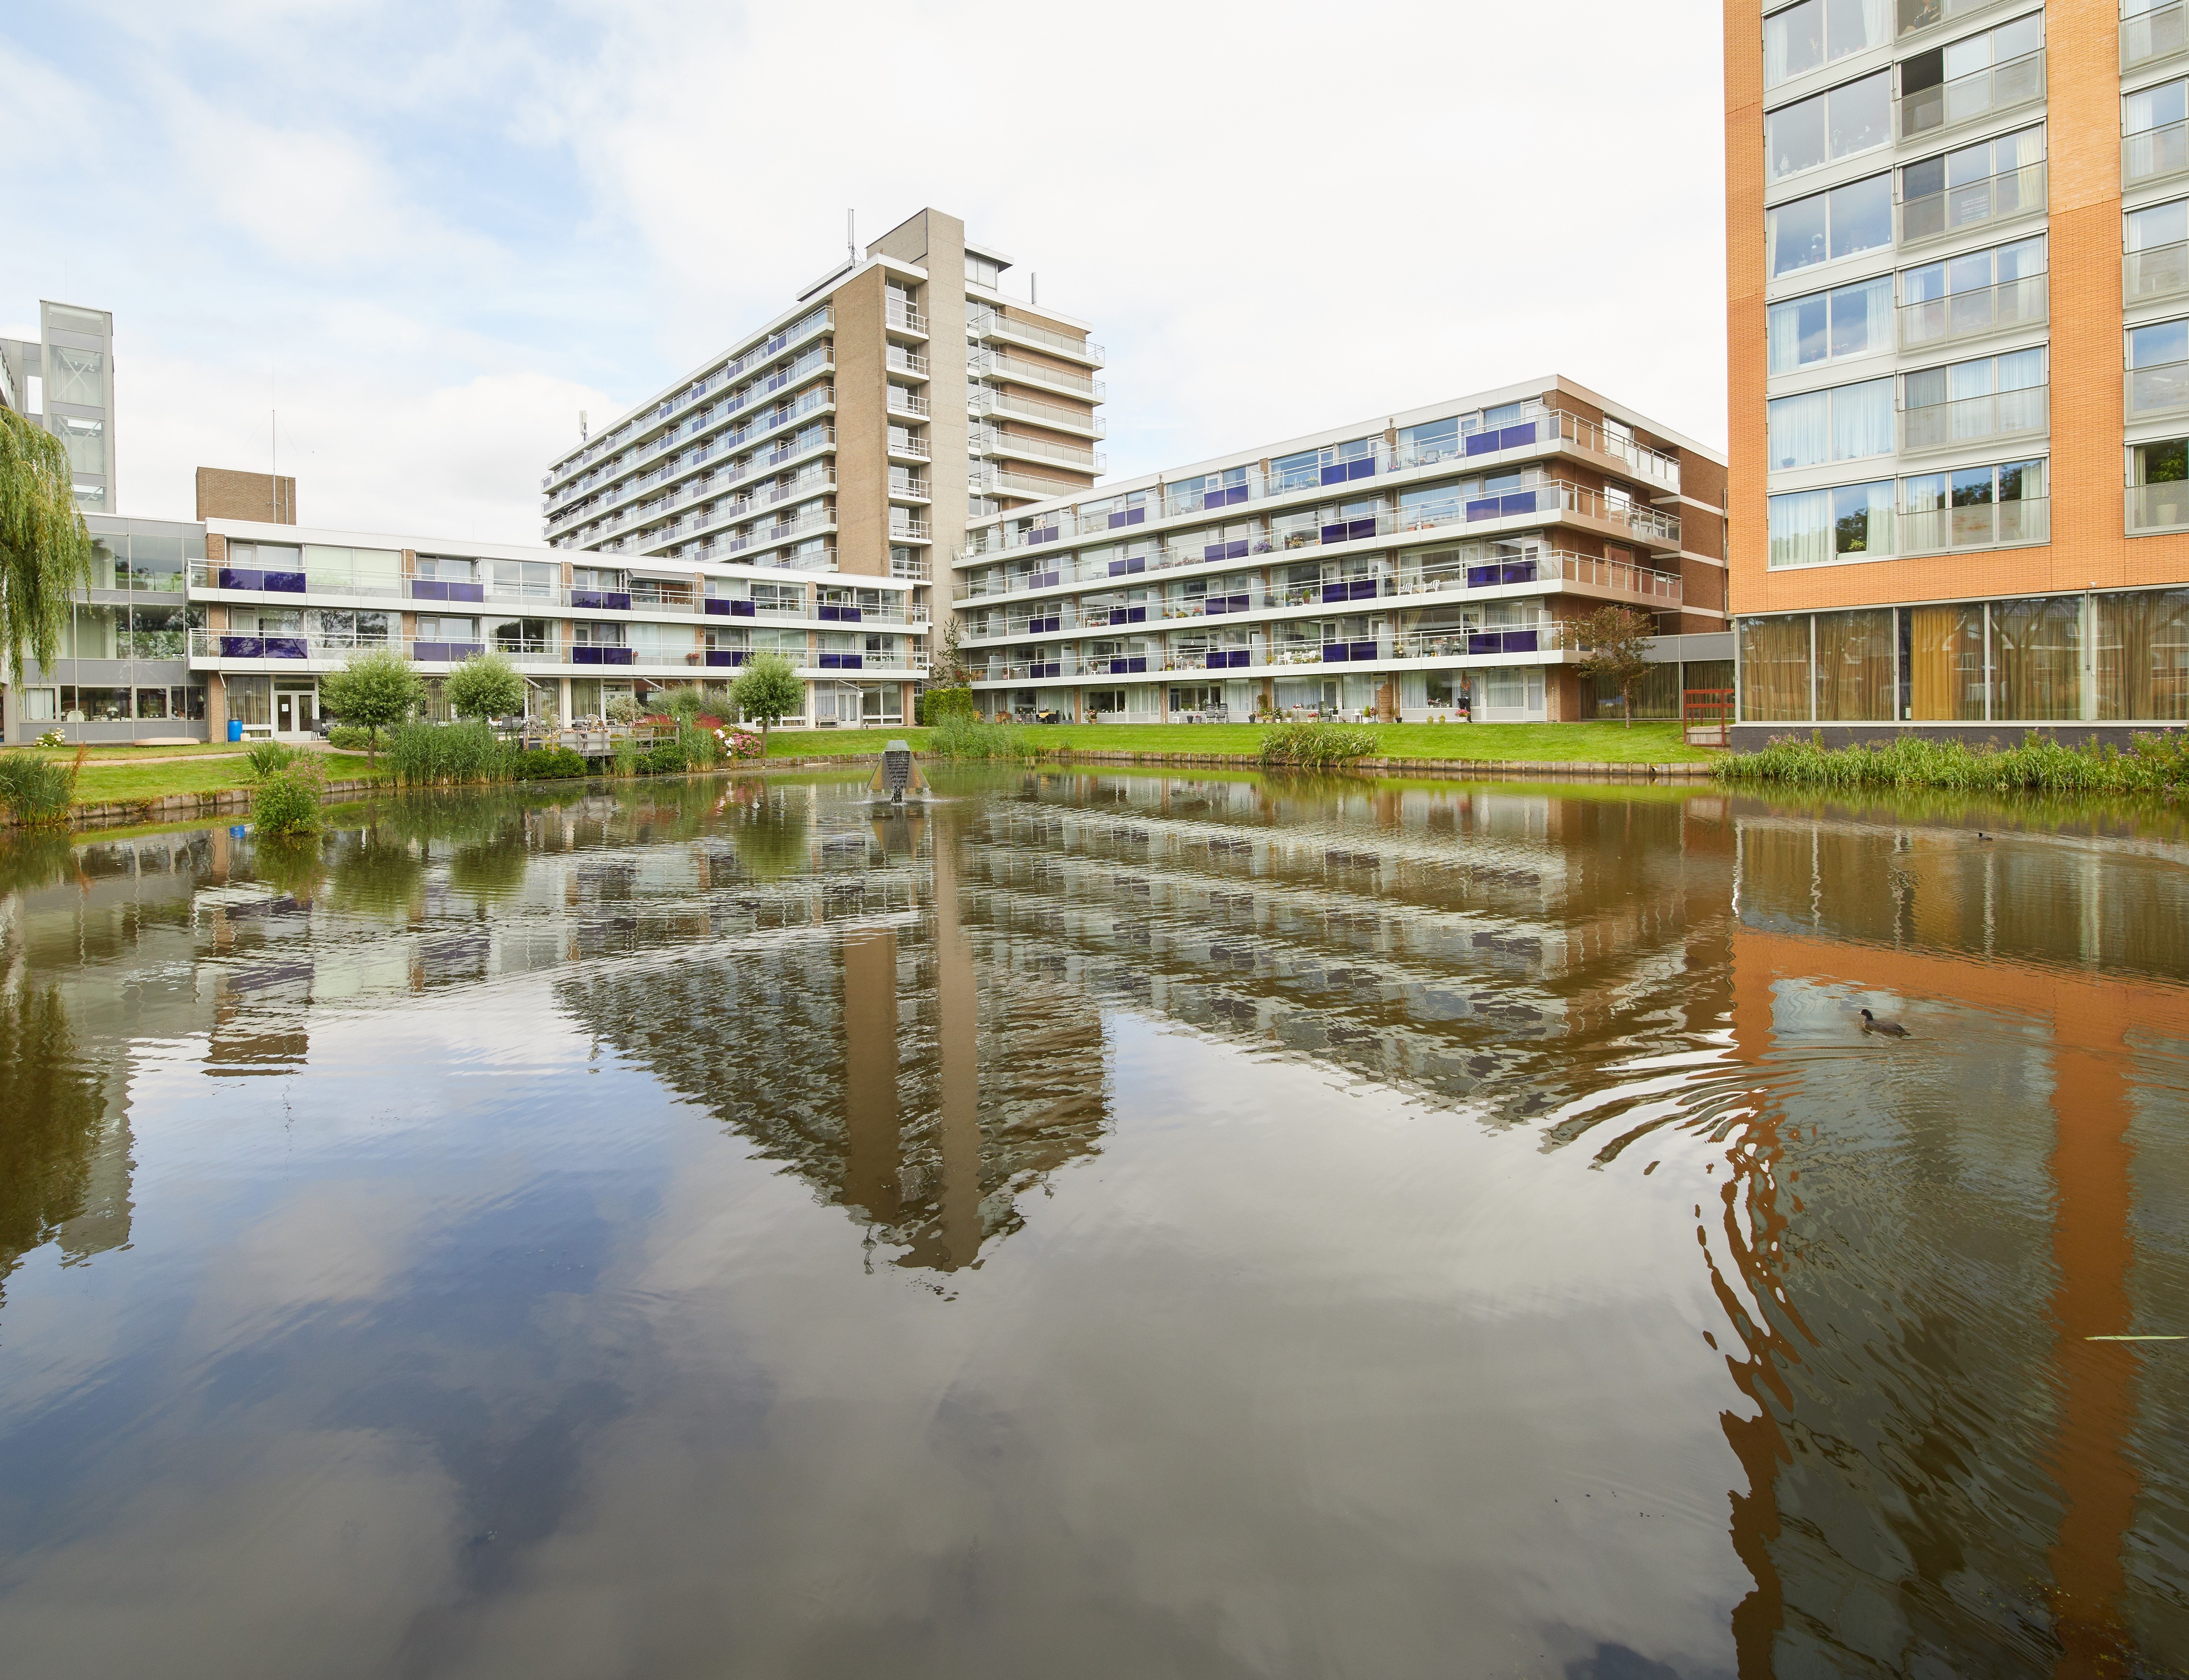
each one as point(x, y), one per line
point(349, 737)
point(768, 690)
point(959, 737)
point(2155, 764)
point(937, 706)
point(698, 745)
point(37, 789)
point(740, 743)
point(548, 764)
point(486, 685)
point(1315, 746)
point(286, 801)
point(425, 754)
point(624, 761)
point(622, 709)
point(665, 760)
point(53, 737)
point(375, 689)
point(268, 756)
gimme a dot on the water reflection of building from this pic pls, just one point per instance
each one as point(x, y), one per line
point(1927, 1242)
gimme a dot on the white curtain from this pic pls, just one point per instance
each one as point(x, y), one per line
point(1862, 420)
point(1800, 529)
point(1801, 429)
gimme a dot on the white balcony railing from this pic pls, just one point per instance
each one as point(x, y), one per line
point(1999, 87)
point(2008, 307)
point(2154, 154)
point(994, 323)
point(1975, 419)
point(2151, 35)
point(2162, 388)
point(1995, 198)
point(2158, 507)
point(1999, 524)
point(2156, 272)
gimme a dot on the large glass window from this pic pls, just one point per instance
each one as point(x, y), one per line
point(2155, 244)
point(1942, 653)
point(2143, 655)
point(2159, 367)
point(1971, 185)
point(1974, 507)
point(74, 375)
point(2158, 107)
point(85, 440)
point(1851, 321)
point(1816, 32)
point(1811, 528)
point(1774, 669)
point(2155, 138)
point(1826, 127)
point(1823, 226)
point(1989, 71)
point(1854, 666)
point(2037, 658)
point(1847, 422)
point(1980, 398)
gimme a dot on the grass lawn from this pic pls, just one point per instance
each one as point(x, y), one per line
point(1541, 742)
point(124, 750)
point(100, 783)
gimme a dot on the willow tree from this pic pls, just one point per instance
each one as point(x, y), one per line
point(45, 549)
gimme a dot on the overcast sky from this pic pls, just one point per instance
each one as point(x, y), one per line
point(430, 233)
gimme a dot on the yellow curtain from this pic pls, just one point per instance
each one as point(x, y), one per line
point(1946, 662)
point(2143, 655)
point(2037, 658)
point(1854, 666)
point(1774, 669)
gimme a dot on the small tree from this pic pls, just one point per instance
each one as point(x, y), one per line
point(375, 690)
point(45, 548)
point(1612, 640)
point(486, 685)
point(951, 671)
point(767, 690)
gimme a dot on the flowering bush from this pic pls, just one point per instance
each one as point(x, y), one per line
point(740, 743)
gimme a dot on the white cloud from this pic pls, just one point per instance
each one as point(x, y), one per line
point(441, 232)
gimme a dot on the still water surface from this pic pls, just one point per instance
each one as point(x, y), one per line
point(1102, 1225)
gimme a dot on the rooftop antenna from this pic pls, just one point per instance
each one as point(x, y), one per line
point(852, 234)
point(1033, 286)
point(274, 433)
point(585, 434)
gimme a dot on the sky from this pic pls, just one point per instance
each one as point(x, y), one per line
point(426, 236)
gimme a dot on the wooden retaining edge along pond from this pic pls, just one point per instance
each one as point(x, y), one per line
point(175, 807)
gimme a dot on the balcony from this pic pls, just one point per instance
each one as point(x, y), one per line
point(992, 324)
point(909, 530)
point(917, 569)
point(2147, 276)
point(998, 365)
point(907, 402)
point(2155, 35)
point(909, 487)
point(2008, 307)
point(913, 448)
point(986, 440)
point(1010, 404)
point(903, 317)
point(906, 362)
point(2154, 154)
point(1976, 204)
point(1983, 92)
point(987, 477)
point(2001, 524)
point(2160, 390)
point(2157, 507)
point(2003, 416)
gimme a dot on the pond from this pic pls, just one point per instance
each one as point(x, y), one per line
point(1099, 1225)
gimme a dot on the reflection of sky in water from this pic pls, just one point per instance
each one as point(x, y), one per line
point(571, 1241)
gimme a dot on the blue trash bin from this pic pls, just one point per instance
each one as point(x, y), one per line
point(235, 729)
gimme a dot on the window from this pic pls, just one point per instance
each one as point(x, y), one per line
point(1826, 127)
point(2161, 225)
point(447, 570)
point(1973, 507)
point(75, 377)
point(86, 322)
point(1849, 422)
point(1981, 182)
point(982, 271)
point(2158, 376)
point(1435, 440)
point(39, 705)
point(1853, 320)
point(1964, 79)
point(1817, 32)
point(2159, 107)
point(1855, 218)
point(1811, 528)
point(85, 440)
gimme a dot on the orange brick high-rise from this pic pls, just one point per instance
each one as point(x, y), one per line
point(1958, 267)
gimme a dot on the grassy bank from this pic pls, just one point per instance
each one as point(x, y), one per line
point(1536, 743)
point(2158, 765)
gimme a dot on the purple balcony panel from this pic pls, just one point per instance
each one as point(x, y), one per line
point(284, 583)
point(1519, 571)
point(599, 600)
point(615, 656)
point(1134, 615)
point(741, 610)
point(1484, 642)
point(241, 648)
point(239, 577)
point(1043, 626)
point(581, 654)
point(1044, 579)
point(1335, 591)
point(1233, 494)
point(1521, 641)
point(1130, 516)
point(476, 592)
point(1516, 437)
point(285, 647)
point(719, 606)
point(1215, 603)
point(428, 589)
point(1334, 475)
point(1057, 670)
point(1484, 577)
point(1363, 589)
point(1334, 653)
point(1482, 443)
point(1485, 508)
point(725, 656)
point(1364, 650)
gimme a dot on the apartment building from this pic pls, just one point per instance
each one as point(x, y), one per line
point(1416, 567)
point(63, 380)
point(1958, 255)
point(834, 440)
point(191, 625)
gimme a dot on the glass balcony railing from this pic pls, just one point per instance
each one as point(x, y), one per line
point(1999, 87)
point(1975, 419)
point(2154, 154)
point(2158, 507)
point(2001, 524)
point(1995, 198)
point(2162, 388)
point(2157, 271)
point(2007, 306)
point(2154, 35)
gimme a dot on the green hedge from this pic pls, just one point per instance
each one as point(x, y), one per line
point(1315, 746)
point(548, 764)
point(2155, 764)
point(937, 706)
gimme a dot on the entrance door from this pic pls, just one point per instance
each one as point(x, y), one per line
point(283, 723)
point(294, 711)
